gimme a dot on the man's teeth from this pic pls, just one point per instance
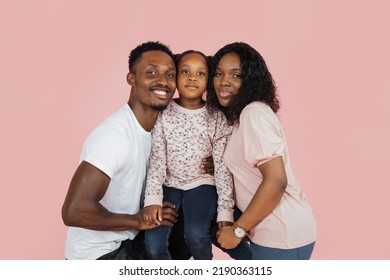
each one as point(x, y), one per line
point(160, 92)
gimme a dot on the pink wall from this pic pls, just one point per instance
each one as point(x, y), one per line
point(63, 67)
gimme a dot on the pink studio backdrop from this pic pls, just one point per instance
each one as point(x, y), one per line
point(63, 66)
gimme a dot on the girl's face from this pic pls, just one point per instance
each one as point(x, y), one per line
point(192, 75)
point(227, 79)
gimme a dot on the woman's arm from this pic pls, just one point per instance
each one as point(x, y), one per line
point(265, 199)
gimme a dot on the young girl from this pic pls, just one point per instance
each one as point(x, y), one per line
point(183, 135)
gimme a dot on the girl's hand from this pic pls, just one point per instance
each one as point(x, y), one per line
point(152, 215)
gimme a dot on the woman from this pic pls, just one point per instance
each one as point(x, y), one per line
point(276, 216)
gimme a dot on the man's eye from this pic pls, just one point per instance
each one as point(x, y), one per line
point(152, 72)
point(171, 76)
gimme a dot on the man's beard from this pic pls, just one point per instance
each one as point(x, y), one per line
point(159, 107)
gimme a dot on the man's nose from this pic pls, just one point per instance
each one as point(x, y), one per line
point(162, 79)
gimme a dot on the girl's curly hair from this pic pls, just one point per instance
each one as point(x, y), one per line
point(257, 82)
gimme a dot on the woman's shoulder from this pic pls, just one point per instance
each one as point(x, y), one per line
point(257, 107)
point(257, 113)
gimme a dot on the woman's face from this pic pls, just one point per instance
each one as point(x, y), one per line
point(227, 79)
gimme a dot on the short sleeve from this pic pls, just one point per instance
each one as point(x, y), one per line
point(106, 149)
point(262, 134)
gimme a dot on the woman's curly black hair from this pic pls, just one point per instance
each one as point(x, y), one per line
point(257, 82)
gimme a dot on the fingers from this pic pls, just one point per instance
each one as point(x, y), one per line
point(207, 166)
point(155, 215)
point(169, 219)
point(150, 215)
point(168, 204)
point(227, 239)
point(208, 159)
point(168, 209)
point(167, 223)
point(223, 224)
point(146, 226)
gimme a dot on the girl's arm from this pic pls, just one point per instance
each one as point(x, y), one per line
point(222, 175)
point(156, 176)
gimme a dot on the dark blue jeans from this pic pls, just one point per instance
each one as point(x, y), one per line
point(265, 253)
point(199, 206)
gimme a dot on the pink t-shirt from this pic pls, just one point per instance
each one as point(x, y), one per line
point(258, 138)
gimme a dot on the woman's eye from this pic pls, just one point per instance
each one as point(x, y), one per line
point(238, 76)
point(218, 74)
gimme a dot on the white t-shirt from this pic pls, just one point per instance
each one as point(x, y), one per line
point(119, 147)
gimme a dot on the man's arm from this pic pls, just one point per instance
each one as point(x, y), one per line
point(82, 207)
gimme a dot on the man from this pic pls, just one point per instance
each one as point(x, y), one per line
point(102, 206)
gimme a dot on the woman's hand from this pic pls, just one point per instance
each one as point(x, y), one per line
point(227, 239)
point(207, 166)
point(223, 224)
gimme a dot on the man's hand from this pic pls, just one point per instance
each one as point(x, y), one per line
point(169, 216)
point(207, 166)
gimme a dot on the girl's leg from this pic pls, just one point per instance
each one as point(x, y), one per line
point(156, 240)
point(265, 253)
point(199, 207)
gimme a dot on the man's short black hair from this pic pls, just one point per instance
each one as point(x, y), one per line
point(136, 54)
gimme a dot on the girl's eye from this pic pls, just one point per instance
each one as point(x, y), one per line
point(185, 71)
point(201, 74)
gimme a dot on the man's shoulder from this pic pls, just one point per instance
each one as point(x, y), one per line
point(114, 127)
point(118, 120)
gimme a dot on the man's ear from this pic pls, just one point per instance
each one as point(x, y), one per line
point(130, 79)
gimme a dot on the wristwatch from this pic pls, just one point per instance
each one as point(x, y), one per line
point(239, 231)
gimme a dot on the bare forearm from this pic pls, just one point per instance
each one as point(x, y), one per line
point(97, 217)
point(268, 194)
point(262, 204)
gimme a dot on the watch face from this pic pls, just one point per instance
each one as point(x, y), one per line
point(239, 232)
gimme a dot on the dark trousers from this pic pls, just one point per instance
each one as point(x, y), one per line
point(199, 207)
point(135, 249)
